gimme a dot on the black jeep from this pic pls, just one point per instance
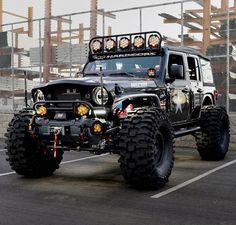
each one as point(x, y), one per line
point(133, 99)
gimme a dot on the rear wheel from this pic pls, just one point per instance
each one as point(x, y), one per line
point(27, 155)
point(147, 151)
point(213, 139)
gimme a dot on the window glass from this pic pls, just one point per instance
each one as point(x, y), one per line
point(193, 68)
point(137, 66)
point(206, 71)
point(175, 60)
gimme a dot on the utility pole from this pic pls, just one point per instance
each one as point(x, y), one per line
point(228, 57)
point(206, 24)
point(93, 18)
point(47, 41)
point(1, 15)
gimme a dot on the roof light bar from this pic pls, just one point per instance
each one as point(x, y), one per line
point(132, 42)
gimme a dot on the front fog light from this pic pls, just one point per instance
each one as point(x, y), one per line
point(41, 110)
point(97, 127)
point(81, 110)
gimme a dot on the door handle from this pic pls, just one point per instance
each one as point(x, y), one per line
point(199, 90)
point(186, 90)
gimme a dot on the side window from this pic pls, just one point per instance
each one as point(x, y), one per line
point(206, 71)
point(193, 68)
point(175, 60)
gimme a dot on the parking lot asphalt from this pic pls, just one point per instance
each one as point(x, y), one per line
point(89, 190)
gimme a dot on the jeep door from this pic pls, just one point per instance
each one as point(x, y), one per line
point(179, 89)
point(196, 82)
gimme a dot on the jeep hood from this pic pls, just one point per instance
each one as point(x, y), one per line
point(126, 83)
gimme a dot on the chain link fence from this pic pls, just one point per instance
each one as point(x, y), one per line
point(58, 47)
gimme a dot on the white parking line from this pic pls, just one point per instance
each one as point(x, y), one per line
point(66, 162)
point(81, 159)
point(186, 183)
point(6, 174)
point(2, 150)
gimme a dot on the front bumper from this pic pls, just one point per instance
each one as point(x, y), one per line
point(77, 134)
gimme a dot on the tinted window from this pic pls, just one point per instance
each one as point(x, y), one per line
point(134, 65)
point(193, 68)
point(175, 60)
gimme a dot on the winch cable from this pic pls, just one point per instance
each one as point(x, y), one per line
point(55, 144)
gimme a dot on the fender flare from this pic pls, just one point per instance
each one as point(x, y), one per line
point(208, 99)
point(118, 102)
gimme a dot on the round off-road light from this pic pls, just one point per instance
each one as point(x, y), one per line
point(153, 41)
point(41, 110)
point(124, 43)
point(138, 42)
point(81, 110)
point(110, 45)
point(96, 46)
point(97, 127)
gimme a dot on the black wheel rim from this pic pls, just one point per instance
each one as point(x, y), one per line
point(159, 148)
point(223, 134)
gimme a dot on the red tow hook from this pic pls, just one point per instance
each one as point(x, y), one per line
point(55, 143)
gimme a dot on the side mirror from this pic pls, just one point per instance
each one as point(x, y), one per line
point(176, 72)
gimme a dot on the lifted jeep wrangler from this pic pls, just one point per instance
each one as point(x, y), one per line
point(134, 98)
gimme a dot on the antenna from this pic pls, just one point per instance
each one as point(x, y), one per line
point(26, 99)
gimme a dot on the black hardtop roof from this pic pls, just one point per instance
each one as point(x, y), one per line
point(187, 50)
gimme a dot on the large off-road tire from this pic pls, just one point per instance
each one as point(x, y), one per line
point(146, 149)
point(213, 139)
point(27, 155)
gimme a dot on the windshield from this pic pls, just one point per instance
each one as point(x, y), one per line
point(130, 66)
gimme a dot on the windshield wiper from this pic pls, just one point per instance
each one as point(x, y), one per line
point(122, 74)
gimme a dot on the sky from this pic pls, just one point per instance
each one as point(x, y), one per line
point(125, 22)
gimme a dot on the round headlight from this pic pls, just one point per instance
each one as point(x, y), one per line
point(97, 95)
point(39, 96)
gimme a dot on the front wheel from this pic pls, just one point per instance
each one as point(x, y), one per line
point(27, 155)
point(213, 139)
point(146, 148)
